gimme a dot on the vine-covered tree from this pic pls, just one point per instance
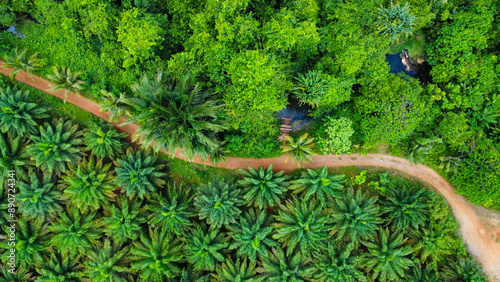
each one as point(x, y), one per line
point(104, 140)
point(263, 188)
point(108, 263)
point(205, 246)
point(252, 235)
point(39, 197)
point(139, 172)
point(122, 221)
point(217, 202)
point(320, 184)
point(280, 268)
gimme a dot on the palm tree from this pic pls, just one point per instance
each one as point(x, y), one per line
point(463, 269)
point(13, 156)
point(239, 271)
point(218, 153)
point(218, 202)
point(20, 62)
point(113, 104)
point(301, 223)
point(319, 183)
point(60, 267)
point(301, 150)
point(17, 114)
point(56, 146)
point(189, 275)
point(310, 89)
point(38, 197)
point(422, 148)
point(355, 217)
point(63, 79)
point(422, 274)
point(104, 140)
point(280, 268)
point(123, 220)
point(450, 163)
point(109, 263)
point(338, 263)
point(172, 209)
point(204, 246)
point(362, 149)
point(157, 256)
point(89, 185)
point(31, 241)
point(264, 187)
point(183, 116)
point(405, 207)
point(75, 232)
point(387, 257)
point(20, 275)
point(139, 172)
point(252, 235)
point(395, 21)
point(433, 241)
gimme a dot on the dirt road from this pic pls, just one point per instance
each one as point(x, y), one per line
point(480, 229)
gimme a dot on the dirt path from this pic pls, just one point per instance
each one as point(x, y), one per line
point(479, 227)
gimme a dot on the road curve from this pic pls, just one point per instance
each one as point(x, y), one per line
point(479, 238)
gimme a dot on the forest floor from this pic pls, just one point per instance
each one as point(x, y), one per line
point(479, 227)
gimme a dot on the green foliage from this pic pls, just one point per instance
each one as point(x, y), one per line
point(89, 185)
point(388, 257)
point(454, 130)
point(75, 232)
point(60, 267)
point(20, 62)
point(334, 135)
point(17, 113)
point(303, 224)
point(231, 271)
point(263, 188)
point(114, 105)
point(13, 155)
point(463, 268)
point(300, 149)
point(205, 246)
point(123, 220)
point(139, 172)
point(109, 263)
point(39, 197)
point(104, 140)
point(320, 184)
point(252, 236)
point(338, 263)
point(172, 209)
point(395, 21)
point(157, 255)
point(58, 144)
point(217, 202)
point(355, 217)
point(278, 267)
point(310, 89)
point(64, 79)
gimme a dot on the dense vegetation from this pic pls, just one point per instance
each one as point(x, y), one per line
point(121, 217)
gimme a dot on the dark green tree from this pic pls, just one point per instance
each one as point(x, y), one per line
point(104, 140)
point(39, 197)
point(60, 267)
point(319, 184)
point(122, 221)
point(217, 202)
point(114, 105)
point(13, 156)
point(231, 271)
point(420, 273)
point(463, 269)
point(252, 236)
point(205, 246)
point(280, 268)
point(139, 172)
point(264, 187)
point(109, 263)
point(338, 263)
point(405, 207)
point(300, 149)
point(395, 21)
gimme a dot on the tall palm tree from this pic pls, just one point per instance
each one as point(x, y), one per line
point(189, 275)
point(264, 187)
point(252, 236)
point(405, 207)
point(280, 268)
point(338, 263)
point(231, 271)
point(89, 185)
point(39, 197)
point(433, 241)
point(420, 273)
point(123, 220)
point(114, 105)
point(320, 184)
point(104, 140)
point(56, 146)
point(463, 269)
point(13, 156)
point(31, 241)
point(21, 62)
point(301, 149)
point(217, 202)
point(109, 263)
point(303, 224)
point(218, 153)
point(64, 79)
point(139, 172)
point(20, 275)
point(18, 114)
point(355, 217)
point(157, 255)
point(60, 267)
point(172, 208)
point(171, 117)
point(204, 246)
point(387, 256)
point(75, 232)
